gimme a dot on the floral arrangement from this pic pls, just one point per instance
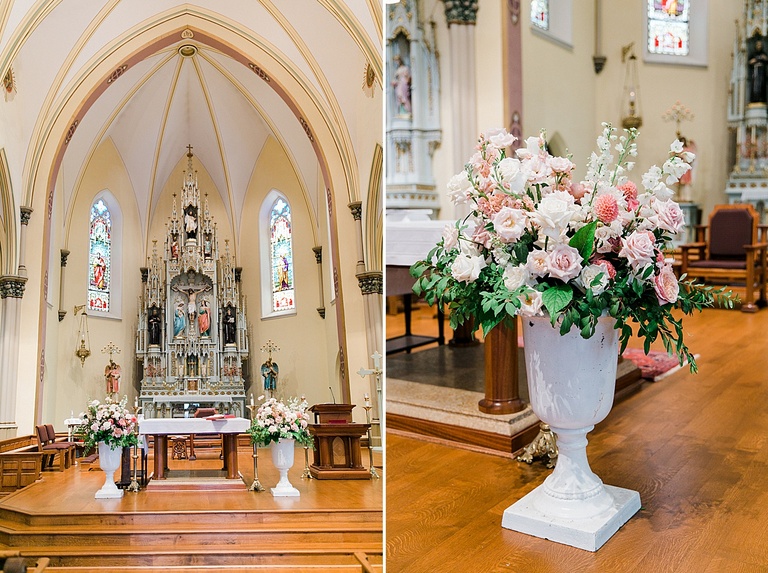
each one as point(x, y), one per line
point(109, 422)
point(276, 419)
point(537, 242)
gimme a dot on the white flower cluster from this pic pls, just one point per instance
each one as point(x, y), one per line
point(531, 199)
point(107, 422)
point(281, 419)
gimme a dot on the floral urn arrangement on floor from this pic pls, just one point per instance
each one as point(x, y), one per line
point(111, 427)
point(582, 263)
point(282, 425)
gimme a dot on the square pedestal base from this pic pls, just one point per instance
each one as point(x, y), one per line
point(285, 492)
point(589, 534)
point(109, 494)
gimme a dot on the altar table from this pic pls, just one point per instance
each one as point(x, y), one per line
point(161, 428)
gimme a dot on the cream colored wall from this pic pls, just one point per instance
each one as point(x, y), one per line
point(305, 340)
point(562, 93)
point(68, 385)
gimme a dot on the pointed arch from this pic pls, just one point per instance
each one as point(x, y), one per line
point(374, 223)
point(8, 216)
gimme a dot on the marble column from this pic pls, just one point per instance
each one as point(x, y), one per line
point(462, 16)
point(319, 260)
point(62, 312)
point(371, 284)
point(11, 291)
point(26, 213)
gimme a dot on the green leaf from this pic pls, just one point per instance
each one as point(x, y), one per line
point(556, 298)
point(584, 240)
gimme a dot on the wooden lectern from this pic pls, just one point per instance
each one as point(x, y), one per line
point(337, 443)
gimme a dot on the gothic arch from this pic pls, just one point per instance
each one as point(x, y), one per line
point(8, 217)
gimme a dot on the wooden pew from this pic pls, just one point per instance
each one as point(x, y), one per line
point(20, 463)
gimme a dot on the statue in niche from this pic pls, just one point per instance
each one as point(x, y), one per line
point(154, 326)
point(179, 319)
point(190, 221)
point(757, 66)
point(175, 247)
point(112, 375)
point(192, 291)
point(207, 246)
point(269, 371)
point(204, 318)
point(402, 85)
point(230, 325)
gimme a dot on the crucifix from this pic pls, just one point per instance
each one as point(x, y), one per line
point(678, 113)
point(189, 151)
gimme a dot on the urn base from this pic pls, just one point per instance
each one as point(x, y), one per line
point(589, 534)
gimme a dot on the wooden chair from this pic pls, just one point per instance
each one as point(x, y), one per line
point(201, 413)
point(730, 249)
point(53, 439)
point(52, 448)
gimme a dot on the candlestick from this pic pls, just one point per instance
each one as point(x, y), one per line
point(256, 485)
point(367, 408)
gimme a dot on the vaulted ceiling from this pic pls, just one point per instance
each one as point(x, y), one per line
point(192, 92)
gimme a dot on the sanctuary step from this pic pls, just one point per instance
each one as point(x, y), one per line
point(332, 526)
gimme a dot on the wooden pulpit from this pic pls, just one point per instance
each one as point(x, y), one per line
point(337, 443)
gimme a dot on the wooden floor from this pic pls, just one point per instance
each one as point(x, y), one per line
point(334, 525)
point(694, 446)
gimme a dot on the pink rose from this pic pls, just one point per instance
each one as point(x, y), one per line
point(639, 249)
point(564, 262)
point(671, 217)
point(577, 190)
point(666, 286)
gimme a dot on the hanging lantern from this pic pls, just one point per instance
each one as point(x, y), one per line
point(630, 102)
point(83, 347)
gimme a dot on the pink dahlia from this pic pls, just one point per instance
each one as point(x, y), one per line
point(630, 194)
point(606, 208)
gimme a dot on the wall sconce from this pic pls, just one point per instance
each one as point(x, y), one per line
point(83, 347)
point(630, 101)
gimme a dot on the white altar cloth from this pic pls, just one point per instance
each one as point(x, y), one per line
point(166, 426)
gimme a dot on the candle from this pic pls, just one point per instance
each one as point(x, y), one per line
point(136, 402)
point(252, 400)
point(367, 400)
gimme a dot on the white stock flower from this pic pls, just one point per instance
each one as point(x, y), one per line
point(676, 146)
point(509, 224)
point(516, 276)
point(466, 268)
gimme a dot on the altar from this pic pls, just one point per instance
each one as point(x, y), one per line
point(160, 428)
point(191, 339)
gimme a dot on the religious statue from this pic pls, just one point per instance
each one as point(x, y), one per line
point(190, 221)
point(207, 248)
point(402, 85)
point(99, 269)
point(204, 318)
point(269, 371)
point(192, 291)
point(757, 65)
point(175, 247)
point(230, 324)
point(154, 326)
point(179, 320)
point(112, 375)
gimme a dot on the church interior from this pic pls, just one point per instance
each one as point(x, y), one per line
point(458, 418)
point(191, 225)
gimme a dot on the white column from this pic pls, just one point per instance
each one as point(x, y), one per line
point(319, 260)
point(461, 16)
point(11, 291)
point(26, 213)
point(62, 312)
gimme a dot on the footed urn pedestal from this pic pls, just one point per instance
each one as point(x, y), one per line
point(282, 456)
point(109, 461)
point(571, 384)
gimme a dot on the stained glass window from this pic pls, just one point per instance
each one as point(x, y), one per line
point(281, 256)
point(99, 257)
point(669, 27)
point(540, 13)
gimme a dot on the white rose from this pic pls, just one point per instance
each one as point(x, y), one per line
point(564, 262)
point(561, 164)
point(500, 137)
point(509, 224)
point(512, 174)
point(459, 187)
point(515, 277)
point(531, 303)
point(466, 269)
point(536, 264)
point(450, 236)
point(554, 212)
point(588, 276)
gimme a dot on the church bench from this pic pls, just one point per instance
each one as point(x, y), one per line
point(20, 463)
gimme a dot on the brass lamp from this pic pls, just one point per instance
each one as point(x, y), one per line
point(630, 102)
point(83, 347)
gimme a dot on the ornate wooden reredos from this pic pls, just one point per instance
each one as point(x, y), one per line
point(191, 339)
